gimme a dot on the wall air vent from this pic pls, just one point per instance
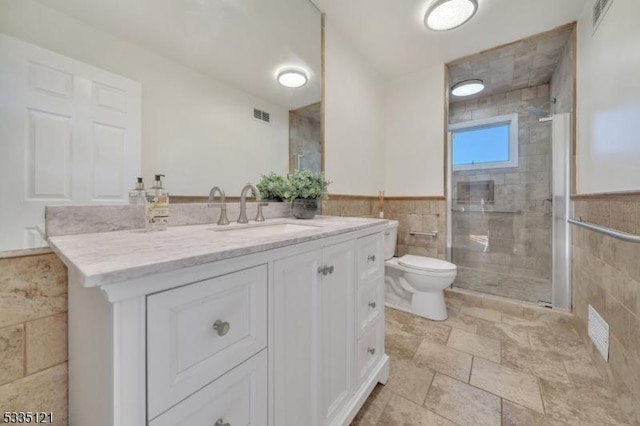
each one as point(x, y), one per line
point(263, 116)
point(600, 8)
point(598, 330)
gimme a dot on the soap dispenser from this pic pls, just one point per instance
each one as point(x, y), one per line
point(138, 195)
point(157, 207)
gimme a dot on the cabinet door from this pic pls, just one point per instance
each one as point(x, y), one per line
point(337, 328)
point(296, 386)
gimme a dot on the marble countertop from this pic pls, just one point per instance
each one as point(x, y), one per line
point(110, 257)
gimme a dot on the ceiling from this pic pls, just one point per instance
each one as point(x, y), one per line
point(528, 62)
point(242, 43)
point(391, 35)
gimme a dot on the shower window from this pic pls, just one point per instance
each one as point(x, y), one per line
point(485, 144)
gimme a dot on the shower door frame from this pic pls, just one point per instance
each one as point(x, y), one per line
point(560, 212)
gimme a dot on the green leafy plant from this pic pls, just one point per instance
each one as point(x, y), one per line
point(274, 187)
point(307, 184)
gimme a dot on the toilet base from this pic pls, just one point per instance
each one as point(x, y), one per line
point(429, 305)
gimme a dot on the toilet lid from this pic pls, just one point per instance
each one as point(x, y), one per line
point(426, 263)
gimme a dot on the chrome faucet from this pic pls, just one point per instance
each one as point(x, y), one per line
point(243, 204)
point(223, 205)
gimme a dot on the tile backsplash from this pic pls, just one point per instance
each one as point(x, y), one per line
point(421, 214)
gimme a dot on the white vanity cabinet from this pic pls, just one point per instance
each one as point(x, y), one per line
point(314, 340)
point(292, 335)
point(324, 301)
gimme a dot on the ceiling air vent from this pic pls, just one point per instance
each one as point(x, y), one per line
point(600, 8)
point(263, 116)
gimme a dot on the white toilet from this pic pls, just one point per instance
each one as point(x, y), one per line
point(415, 283)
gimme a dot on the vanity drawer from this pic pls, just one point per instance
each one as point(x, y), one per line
point(370, 349)
point(237, 398)
point(370, 304)
point(197, 332)
point(370, 257)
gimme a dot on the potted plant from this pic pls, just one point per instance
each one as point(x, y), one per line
point(274, 187)
point(306, 188)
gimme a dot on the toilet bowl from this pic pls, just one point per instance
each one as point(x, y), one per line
point(416, 283)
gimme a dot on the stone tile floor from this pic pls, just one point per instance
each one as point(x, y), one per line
point(485, 366)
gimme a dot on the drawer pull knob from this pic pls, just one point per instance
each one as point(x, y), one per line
point(222, 328)
point(372, 351)
point(372, 304)
point(372, 258)
point(221, 422)
point(324, 270)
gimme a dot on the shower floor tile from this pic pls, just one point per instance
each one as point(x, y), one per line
point(543, 377)
point(527, 289)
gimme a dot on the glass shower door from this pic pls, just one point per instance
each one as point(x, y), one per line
point(500, 223)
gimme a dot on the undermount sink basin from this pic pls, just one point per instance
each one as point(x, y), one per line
point(267, 229)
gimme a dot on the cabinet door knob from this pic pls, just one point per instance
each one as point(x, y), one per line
point(222, 327)
point(372, 257)
point(322, 270)
point(372, 351)
point(221, 422)
point(372, 304)
point(330, 269)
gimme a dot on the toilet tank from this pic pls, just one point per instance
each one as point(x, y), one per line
point(390, 238)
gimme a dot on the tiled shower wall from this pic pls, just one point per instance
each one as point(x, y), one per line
point(518, 244)
point(606, 275)
point(305, 137)
point(33, 335)
point(420, 214)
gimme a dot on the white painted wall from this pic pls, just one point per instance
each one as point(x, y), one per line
point(608, 100)
point(196, 130)
point(354, 119)
point(414, 159)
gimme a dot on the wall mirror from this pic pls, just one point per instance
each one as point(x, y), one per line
point(211, 109)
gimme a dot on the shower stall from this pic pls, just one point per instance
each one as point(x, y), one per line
point(507, 229)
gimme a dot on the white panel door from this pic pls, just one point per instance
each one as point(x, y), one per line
point(337, 328)
point(296, 350)
point(69, 133)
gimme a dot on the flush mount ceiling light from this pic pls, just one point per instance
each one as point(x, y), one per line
point(467, 87)
point(291, 77)
point(445, 15)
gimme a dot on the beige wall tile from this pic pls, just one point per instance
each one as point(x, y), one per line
point(605, 275)
point(31, 287)
point(46, 342)
point(11, 353)
point(45, 391)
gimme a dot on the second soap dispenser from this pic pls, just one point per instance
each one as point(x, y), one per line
point(157, 206)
